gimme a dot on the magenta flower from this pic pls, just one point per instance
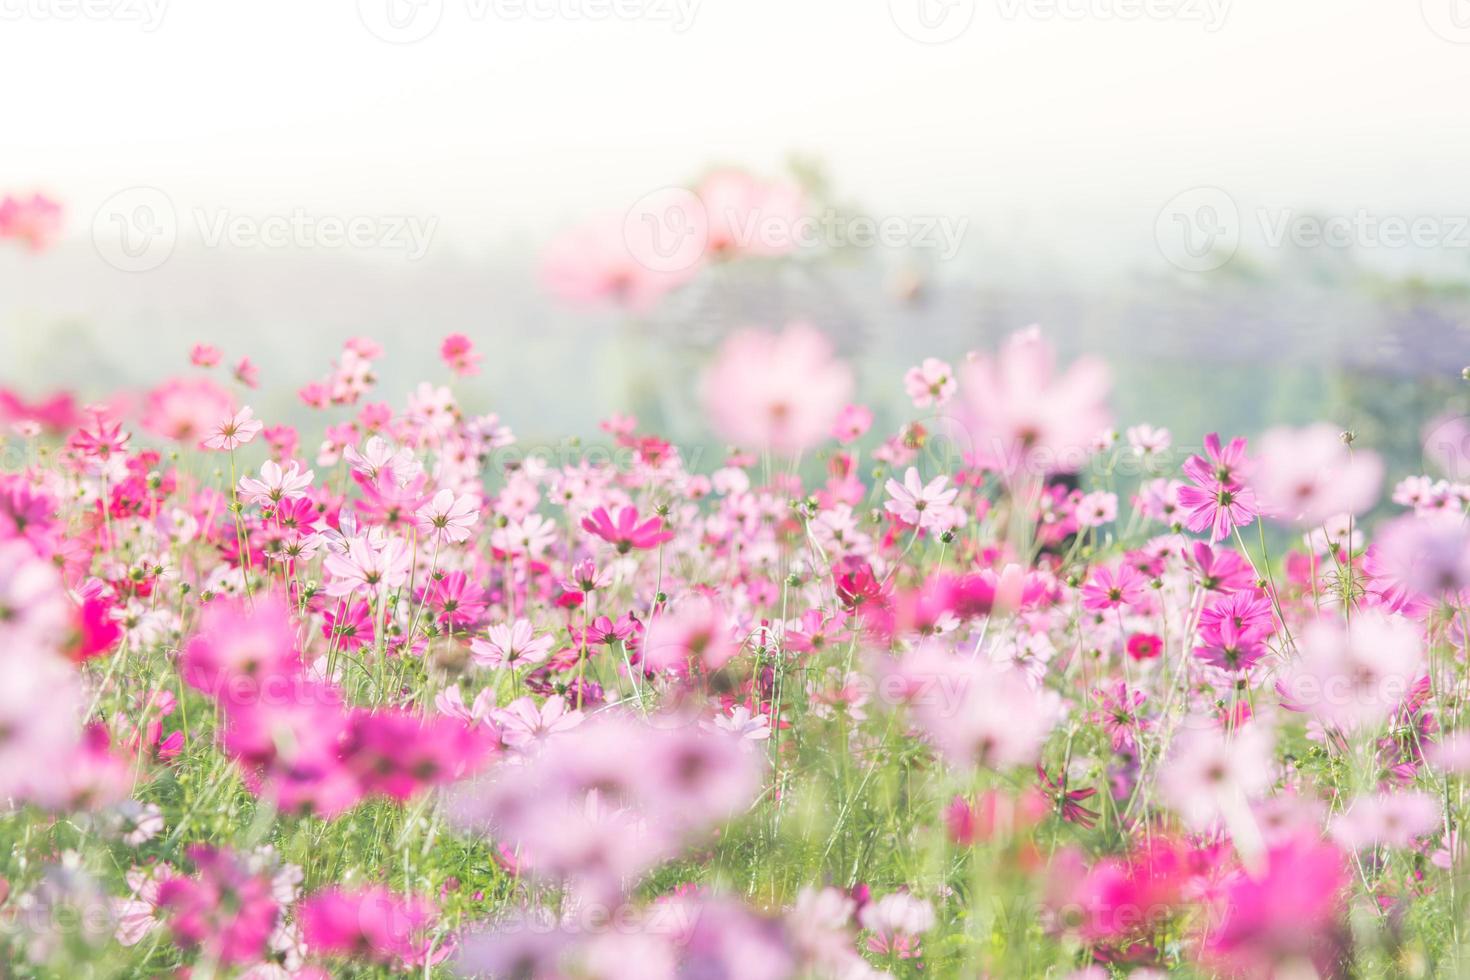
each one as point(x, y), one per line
point(372, 923)
point(626, 533)
point(1218, 500)
point(1109, 588)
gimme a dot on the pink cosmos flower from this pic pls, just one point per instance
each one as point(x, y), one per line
point(447, 519)
point(185, 409)
point(247, 373)
point(777, 391)
point(896, 921)
point(348, 626)
point(923, 505)
point(524, 724)
point(1096, 509)
point(1290, 917)
point(853, 422)
point(741, 209)
point(1305, 476)
point(1209, 776)
point(276, 484)
point(368, 565)
point(978, 714)
point(693, 635)
point(593, 264)
point(372, 922)
point(458, 352)
point(35, 221)
point(1016, 415)
point(626, 533)
point(1354, 677)
point(204, 355)
point(510, 646)
point(1387, 819)
point(1426, 556)
point(234, 432)
point(931, 383)
point(400, 753)
point(1109, 588)
point(1219, 499)
point(226, 911)
point(1147, 442)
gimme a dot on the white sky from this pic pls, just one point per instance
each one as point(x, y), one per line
point(503, 127)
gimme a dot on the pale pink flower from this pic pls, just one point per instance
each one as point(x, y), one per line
point(931, 383)
point(450, 701)
point(1305, 476)
point(1016, 414)
point(367, 565)
point(510, 646)
point(924, 505)
point(1387, 819)
point(1147, 442)
point(1210, 776)
point(593, 264)
point(523, 725)
point(235, 431)
point(448, 519)
point(1354, 677)
point(977, 713)
point(745, 214)
point(1097, 508)
point(777, 391)
point(276, 484)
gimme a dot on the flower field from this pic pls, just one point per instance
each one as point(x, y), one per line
point(1016, 690)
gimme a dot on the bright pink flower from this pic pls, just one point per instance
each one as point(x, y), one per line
point(1218, 500)
point(400, 753)
point(226, 911)
point(35, 221)
point(348, 626)
point(204, 355)
point(1109, 588)
point(1292, 914)
point(626, 533)
point(458, 352)
point(370, 923)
